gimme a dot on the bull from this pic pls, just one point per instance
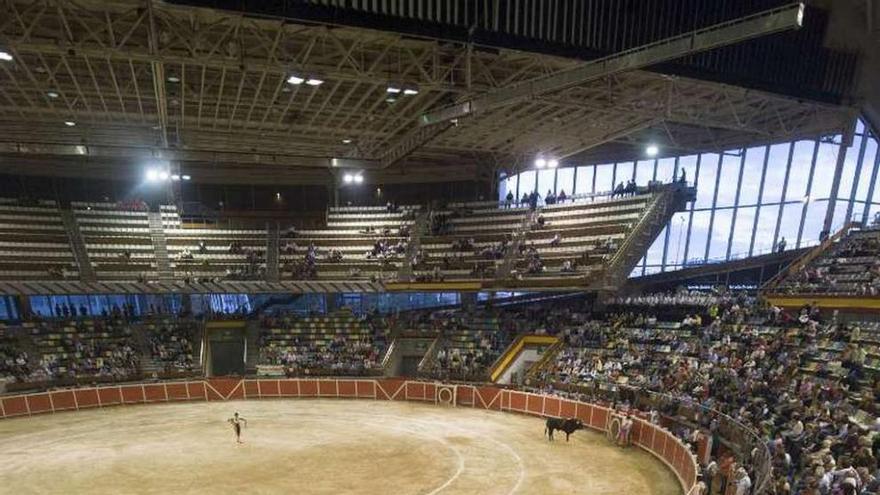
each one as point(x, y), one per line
point(568, 425)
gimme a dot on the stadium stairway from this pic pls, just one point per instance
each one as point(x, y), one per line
point(667, 200)
point(78, 245)
point(519, 357)
point(160, 246)
point(420, 225)
point(512, 254)
point(252, 346)
point(272, 247)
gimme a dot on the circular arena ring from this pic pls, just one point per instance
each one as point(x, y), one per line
point(401, 437)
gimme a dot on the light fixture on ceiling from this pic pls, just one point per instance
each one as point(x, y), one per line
point(410, 91)
point(540, 163)
point(295, 80)
point(173, 79)
point(348, 178)
point(5, 56)
point(152, 175)
point(392, 89)
point(314, 81)
point(652, 150)
point(69, 123)
point(185, 177)
point(163, 175)
point(175, 177)
point(358, 179)
point(52, 94)
point(346, 141)
point(552, 163)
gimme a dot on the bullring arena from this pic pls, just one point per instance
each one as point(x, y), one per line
point(312, 437)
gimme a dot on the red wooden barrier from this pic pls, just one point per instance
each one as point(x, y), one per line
point(656, 440)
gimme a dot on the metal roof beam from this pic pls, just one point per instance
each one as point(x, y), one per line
point(735, 31)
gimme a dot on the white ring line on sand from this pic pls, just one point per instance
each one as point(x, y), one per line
point(521, 464)
point(419, 433)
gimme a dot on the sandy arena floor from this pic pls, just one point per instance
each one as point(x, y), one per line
point(314, 447)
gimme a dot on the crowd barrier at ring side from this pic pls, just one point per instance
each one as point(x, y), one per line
point(656, 440)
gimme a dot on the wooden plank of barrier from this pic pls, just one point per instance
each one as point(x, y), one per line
point(599, 418)
point(154, 393)
point(415, 391)
point(390, 389)
point(197, 390)
point(288, 388)
point(489, 397)
point(132, 394)
point(365, 389)
point(464, 396)
point(552, 406)
point(252, 388)
point(269, 388)
point(177, 391)
point(109, 396)
point(63, 400)
point(327, 388)
point(15, 406)
point(535, 404)
point(517, 401)
point(430, 392)
point(39, 403)
point(347, 388)
point(308, 388)
point(567, 409)
point(86, 398)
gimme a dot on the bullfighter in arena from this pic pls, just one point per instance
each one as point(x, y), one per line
point(236, 422)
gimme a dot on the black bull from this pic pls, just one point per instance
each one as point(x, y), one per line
point(568, 425)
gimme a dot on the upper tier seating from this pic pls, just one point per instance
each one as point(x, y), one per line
point(358, 242)
point(849, 267)
point(214, 252)
point(564, 239)
point(117, 238)
point(33, 242)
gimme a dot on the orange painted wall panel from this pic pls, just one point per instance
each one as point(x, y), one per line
point(347, 388)
point(600, 418)
point(308, 388)
point(551, 406)
point(15, 406)
point(39, 403)
point(288, 388)
point(110, 396)
point(489, 398)
point(131, 394)
point(177, 391)
point(464, 396)
point(87, 398)
point(327, 388)
point(535, 404)
point(63, 400)
point(390, 389)
point(196, 390)
point(154, 393)
point(415, 391)
point(517, 401)
point(566, 409)
point(252, 388)
point(366, 389)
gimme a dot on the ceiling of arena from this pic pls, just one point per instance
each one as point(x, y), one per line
point(207, 89)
